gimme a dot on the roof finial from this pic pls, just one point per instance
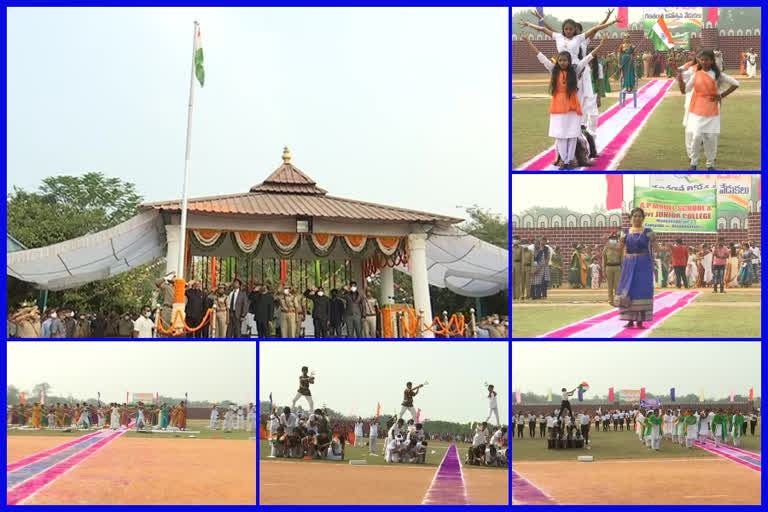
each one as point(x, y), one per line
point(286, 155)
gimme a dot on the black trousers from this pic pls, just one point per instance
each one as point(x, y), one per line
point(532, 429)
point(321, 327)
point(263, 328)
point(565, 404)
point(585, 432)
point(752, 425)
point(194, 321)
point(680, 274)
point(520, 430)
point(542, 429)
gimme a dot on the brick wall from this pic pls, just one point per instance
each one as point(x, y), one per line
point(524, 60)
point(590, 236)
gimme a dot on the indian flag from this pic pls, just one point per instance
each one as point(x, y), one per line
point(660, 35)
point(199, 70)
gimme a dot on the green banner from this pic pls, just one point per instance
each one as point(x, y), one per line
point(693, 211)
point(681, 21)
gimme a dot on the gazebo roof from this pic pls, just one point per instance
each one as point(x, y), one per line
point(290, 192)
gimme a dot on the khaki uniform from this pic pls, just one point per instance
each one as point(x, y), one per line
point(301, 312)
point(527, 262)
point(517, 272)
point(287, 305)
point(83, 329)
point(28, 328)
point(167, 295)
point(612, 265)
point(221, 303)
point(369, 317)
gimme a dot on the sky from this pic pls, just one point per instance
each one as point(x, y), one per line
point(212, 371)
point(400, 106)
point(716, 367)
point(580, 192)
point(590, 14)
point(353, 377)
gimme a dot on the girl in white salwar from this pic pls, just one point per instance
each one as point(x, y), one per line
point(692, 271)
point(680, 429)
point(214, 418)
point(655, 434)
point(114, 419)
point(640, 425)
point(564, 110)
point(703, 426)
point(692, 433)
point(708, 85)
point(493, 407)
point(140, 422)
point(751, 63)
point(669, 429)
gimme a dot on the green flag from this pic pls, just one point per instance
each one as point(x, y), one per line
point(199, 70)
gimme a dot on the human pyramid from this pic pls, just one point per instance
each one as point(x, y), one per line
point(293, 434)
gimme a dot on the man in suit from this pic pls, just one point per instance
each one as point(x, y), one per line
point(195, 308)
point(321, 311)
point(262, 307)
point(238, 308)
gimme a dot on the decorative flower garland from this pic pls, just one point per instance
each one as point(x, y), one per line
point(204, 242)
point(187, 328)
point(321, 245)
point(247, 243)
point(286, 245)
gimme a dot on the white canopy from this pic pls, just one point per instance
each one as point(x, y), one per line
point(93, 257)
point(455, 260)
point(465, 264)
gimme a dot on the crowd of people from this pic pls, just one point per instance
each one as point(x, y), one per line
point(258, 311)
point(538, 266)
point(238, 311)
point(722, 425)
point(62, 416)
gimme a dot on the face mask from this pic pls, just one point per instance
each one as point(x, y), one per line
point(354, 288)
point(287, 292)
point(320, 294)
point(72, 314)
point(613, 242)
point(53, 315)
point(495, 322)
point(148, 314)
point(127, 317)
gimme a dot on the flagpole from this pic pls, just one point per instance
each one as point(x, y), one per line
point(183, 227)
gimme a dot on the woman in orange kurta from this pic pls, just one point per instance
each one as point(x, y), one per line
point(181, 416)
point(37, 415)
point(564, 110)
point(742, 69)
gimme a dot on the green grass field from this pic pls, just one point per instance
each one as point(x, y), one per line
point(615, 445)
point(201, 425)
point(661, 144)
point(362, 453)
point(701, 319)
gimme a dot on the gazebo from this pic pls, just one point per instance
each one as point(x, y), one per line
point(289, 220)
point(285, 226)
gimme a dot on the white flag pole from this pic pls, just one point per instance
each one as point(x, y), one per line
point(183, 227)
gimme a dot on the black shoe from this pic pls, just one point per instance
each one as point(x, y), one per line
point(692, 168)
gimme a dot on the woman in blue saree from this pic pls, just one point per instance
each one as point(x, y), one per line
point(635, 294)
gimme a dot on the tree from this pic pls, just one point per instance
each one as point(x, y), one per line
point(488, 226)
point(67, 207)
point(13, 395)
point(43, 387)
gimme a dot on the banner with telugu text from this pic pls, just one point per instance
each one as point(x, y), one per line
point(629, 395)
point(692, 211)
point(733, 194)
point(681, 21)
